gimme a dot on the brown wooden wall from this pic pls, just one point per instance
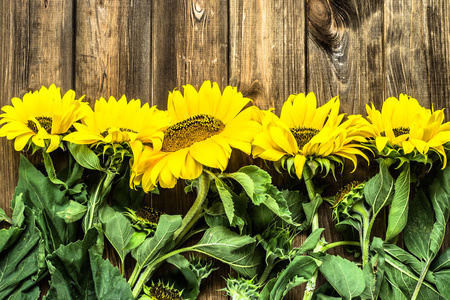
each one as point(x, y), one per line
point(361, 50)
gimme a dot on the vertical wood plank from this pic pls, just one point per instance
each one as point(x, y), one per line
point(113, 49)
point(267, 50)
point(189, 46)
point(13, 82)
point(36, 44)
point(345, 52)
point(267, 58)
point(51, 44)
point(345, 58)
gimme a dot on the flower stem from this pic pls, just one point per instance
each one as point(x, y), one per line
point(95, 201)
point(307, 177)
point(421, 279)
point(138, 279)
point(196, 209)
point(340, 243)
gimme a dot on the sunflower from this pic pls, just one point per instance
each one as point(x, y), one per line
point(42, 116)
point(206, 125)
point(120, 121)
point(407, 128)
point(305, 131)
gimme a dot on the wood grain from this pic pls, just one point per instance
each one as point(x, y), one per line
point(363, 51)
point(267, 50)
point(189, 46)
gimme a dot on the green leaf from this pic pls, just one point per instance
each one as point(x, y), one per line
point(48, 163)
point(79, 272)
point(298, 271)
point(311, 241)
point(20, 259)
point(417, 231)
point(400, 281)
point(378, 191)
point(191, 287)
point(85, 157)
point(257, 184)
point(310, 209)
point(442, 261)
point(136, 239)
point(4, 217)
point(72, 173)
point(442, 280)
point(440, 195)
point(405, 257)
point(398, 212)
point(345, 276)
point(45, 200)
point(123, 196)
point(108, 282)
point(117, 229)
point(374, 271)
point(228, 199)
point(73, 212)
point(160, 243)
point(238, 251)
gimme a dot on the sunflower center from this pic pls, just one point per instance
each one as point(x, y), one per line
point(162, 292)
point(400, 130)
point(187, 132)
point(106, 132)
point(45, 122)
point(345, 191)
point(148, 214)
point(303, 135)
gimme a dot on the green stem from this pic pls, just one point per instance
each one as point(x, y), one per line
point(189, 220)
point(364, 234)
point(267, 271)
point(307, 177)
point(196, 209)
point(421, 279)
point(100, 194)
point(341, 243)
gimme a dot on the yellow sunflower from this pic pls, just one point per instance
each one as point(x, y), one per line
point(42, 116)
point(206, 125)
point(305, 131)
point(404, 124)
point(120, 121)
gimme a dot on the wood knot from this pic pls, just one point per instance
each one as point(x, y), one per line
point(198, 12)
point(319, 14)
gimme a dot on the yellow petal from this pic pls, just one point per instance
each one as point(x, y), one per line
point(299, 163)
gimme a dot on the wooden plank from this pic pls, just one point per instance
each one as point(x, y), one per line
point(345, 58)
point(267, 58)
point(13, 82)
point(37, 43)
point(267, 52)
point(189, 46)
point(113, 49)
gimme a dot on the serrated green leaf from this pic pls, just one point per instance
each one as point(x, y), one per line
point(420, 224)
point(378, 191)
point(19, 258)
point(310, 209)
point(344, 275)
point(117, 229)
point(442, 279)
point(442, 261)
point(160, 243)
point(73, 212)
point(48, 163)
point(400, 281)
point(298, 271)
point(238, 251)
point(46, 200)
point(311, 241)
point(4, 217)
point(85, 157)
point(398, 212)
point(135, 240)
point(374, 271)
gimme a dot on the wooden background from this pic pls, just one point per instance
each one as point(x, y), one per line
point(361, 50)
